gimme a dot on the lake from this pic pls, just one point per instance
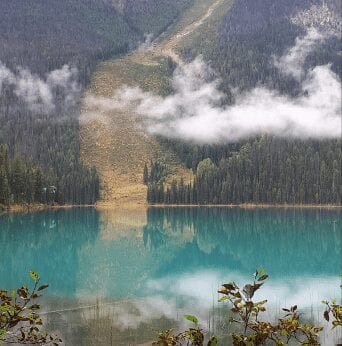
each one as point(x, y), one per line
point(118, 276)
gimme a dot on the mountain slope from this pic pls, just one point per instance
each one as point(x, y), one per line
point(115, 143)
point(41, 36)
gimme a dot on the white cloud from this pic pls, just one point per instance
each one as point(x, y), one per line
point(39, 94)
point(195, 110)
point(292, 62)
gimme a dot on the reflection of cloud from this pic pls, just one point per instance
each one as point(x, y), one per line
point(199, 292)
point(196, 293)
point(132, 313)
point(202, 286)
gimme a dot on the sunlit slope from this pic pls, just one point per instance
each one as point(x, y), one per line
point(114, 141)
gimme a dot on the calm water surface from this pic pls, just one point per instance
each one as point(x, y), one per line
point(117, 276)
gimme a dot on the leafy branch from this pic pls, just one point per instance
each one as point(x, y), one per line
point(258, 332)
point(192, 336)
point(20, 322)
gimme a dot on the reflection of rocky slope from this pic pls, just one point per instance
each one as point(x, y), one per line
point(122, 223)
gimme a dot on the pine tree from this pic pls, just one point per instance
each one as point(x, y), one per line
point(4, 186)
point(17, 181)
point(145, 175)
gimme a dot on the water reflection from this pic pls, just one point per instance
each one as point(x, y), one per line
point(117, 276)
point(285, 241)
point(48, 242)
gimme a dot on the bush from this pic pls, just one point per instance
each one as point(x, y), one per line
point(20, 322)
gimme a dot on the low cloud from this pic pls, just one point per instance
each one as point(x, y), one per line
point(196, 111)
point(42, 95)
point(292, 62)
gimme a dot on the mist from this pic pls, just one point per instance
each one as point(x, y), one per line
point(42, 95)
point(196, 111)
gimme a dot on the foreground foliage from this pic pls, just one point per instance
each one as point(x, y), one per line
point(334, 310)
point(20, 322)
point(252, 331)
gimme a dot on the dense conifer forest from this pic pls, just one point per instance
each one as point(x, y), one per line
point(265, 170)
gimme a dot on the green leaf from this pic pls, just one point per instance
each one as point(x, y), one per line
point(263, 277)
point(263, 302)
point(34, 276)
point(3, 331)
point(249, 305)
point(222, 299)
point(261, 271)
point(283, 332)
point(229, 286)
point(336, 323)
point(213, 341)
point(35, 307)
point(191, 318)
point(326, 315)
point(43, 287)
point(293, 308)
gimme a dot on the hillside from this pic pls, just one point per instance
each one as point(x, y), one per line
point(48, 51)
point(240, 48)
point(114, 142)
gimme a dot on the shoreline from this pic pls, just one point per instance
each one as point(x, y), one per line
point(102, 206)
point(32, 208)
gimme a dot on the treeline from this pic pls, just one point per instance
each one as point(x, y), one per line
point(191, 153)
point(266, 170)
point(23, 182)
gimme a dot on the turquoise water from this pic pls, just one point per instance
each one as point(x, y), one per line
point(122, 275)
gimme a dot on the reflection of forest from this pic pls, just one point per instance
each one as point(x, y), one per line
point(47, 242)
point(285, 241)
